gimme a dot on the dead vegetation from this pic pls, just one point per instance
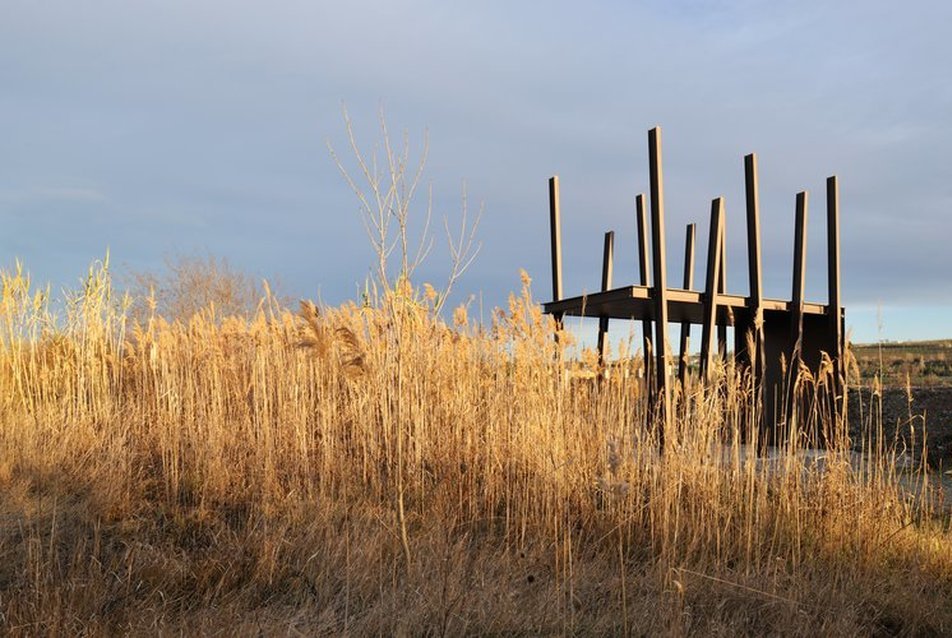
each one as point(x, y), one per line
point(373, 470)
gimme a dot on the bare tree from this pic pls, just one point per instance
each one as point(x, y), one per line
point(191, 283)
point(385, 189)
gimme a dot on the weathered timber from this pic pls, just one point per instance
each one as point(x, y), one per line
point(714, 247)
point(660, 288)
point(641, 220)
point(607, 265)
point(683, 353)
point(770, 335)
point(555, 236)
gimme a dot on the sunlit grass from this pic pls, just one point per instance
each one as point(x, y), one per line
point(372, 469)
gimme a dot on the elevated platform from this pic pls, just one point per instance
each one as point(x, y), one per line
point(787, 332)
point(684, 306)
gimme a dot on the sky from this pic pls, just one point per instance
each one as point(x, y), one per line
point(157, 128)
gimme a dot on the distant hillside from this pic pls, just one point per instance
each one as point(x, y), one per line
point(917, 363)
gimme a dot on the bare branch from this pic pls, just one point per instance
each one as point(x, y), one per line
point(386, 193)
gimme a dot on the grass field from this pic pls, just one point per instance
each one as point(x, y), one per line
point(918, 363)
point(910, 385)
point(377, 470)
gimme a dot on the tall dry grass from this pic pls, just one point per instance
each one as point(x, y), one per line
point(374, 470)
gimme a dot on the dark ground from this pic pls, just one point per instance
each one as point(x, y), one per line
point(916, 382)
point(903, 420)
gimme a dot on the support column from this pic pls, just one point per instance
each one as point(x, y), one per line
point(641, 220)
point(710, 287)
point(754, 353)
point(683, 351)
point(660, 289)
point(607, 264)
point(555, 235)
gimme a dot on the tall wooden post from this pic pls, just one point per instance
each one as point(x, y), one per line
point(710, 287)
point(641, 220)
point(607, 264)
point(834, 307)
point(755, 302)
point(799, 271)
point(722, 289)
point(660, 289)
point(683, 353)
point(833, 267)
point(555, 234)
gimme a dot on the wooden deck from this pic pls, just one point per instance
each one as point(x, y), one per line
point(684, 306)
point(780, 330)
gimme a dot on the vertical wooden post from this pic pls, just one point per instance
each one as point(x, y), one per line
point(833, 266)
point(722, 289)
point(607, 264)
point(641, 220)
point(555, 234)
point(711, 286)
point(660, 290)
point(799, 270)
point(754, 350)
point(753, 235)
point(834, 307)
point(683, 353)
point(794, 402)
point(755, 301)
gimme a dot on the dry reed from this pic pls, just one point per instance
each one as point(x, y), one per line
point(376, 471)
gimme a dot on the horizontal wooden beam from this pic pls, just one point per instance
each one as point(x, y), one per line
point(635, 302)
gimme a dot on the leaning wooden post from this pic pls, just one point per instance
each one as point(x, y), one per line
point(722, 289)
point(834, 307)
point(710, 287)
point(683, 353)
point(641, 219)
point(555, 233)
point(660, 289)
point(607, 259)
point(755, 301)
point(799, 272)
point(796, 307)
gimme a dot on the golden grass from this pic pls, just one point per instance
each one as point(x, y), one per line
point(376, 471)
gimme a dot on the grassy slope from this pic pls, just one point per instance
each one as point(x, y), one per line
point(377, 471)
point(919, 363)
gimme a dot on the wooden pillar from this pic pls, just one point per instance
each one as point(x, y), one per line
point(799, 272)
point(710, 286)
point(749, 338)
point(834, 304)
point(607, 264)
point(755, 302)
point(799, 348)
point(834, 308)
point(555, 234)
point(641, 220)
point(683, 353)
point(722, 289)
point(660, 289)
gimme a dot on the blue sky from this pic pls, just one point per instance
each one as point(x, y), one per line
point(159, 127)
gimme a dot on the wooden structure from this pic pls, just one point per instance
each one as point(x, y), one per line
point(784, 334)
